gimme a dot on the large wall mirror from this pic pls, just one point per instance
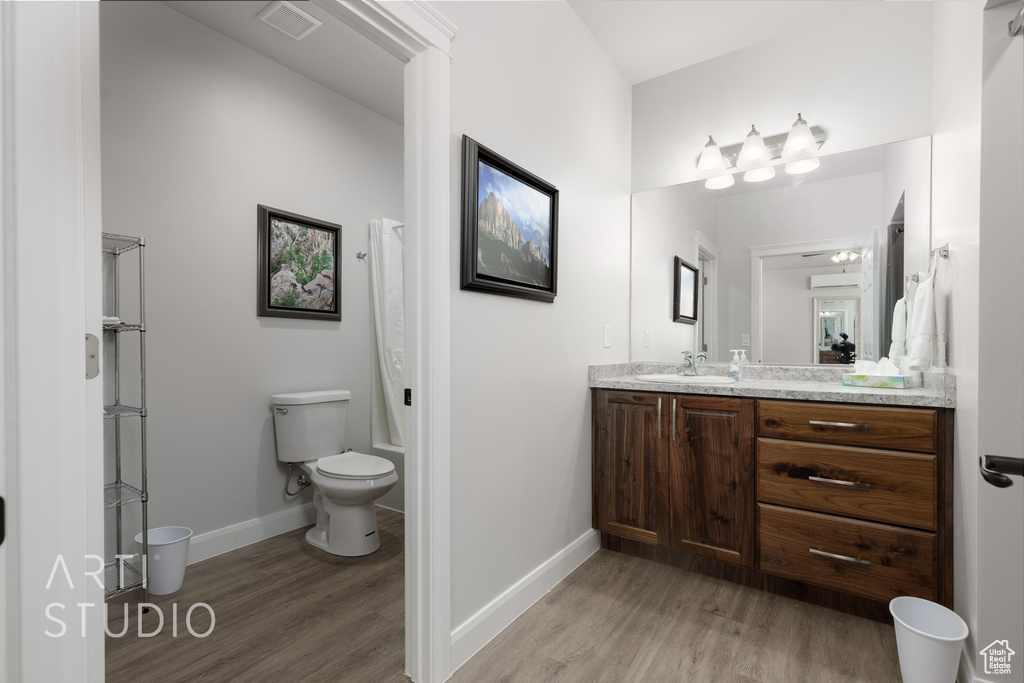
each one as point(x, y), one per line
point(769, 253)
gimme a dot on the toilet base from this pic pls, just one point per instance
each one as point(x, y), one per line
point(345, 530)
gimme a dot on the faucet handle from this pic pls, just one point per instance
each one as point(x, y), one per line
point(688, 356)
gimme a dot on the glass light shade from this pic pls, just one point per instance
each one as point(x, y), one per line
point(800, 151)
point(835, 258)
point(853, 255)
point(753, 153)
point(758, 175)
point(802, 166)
point(720, 182)
point(711, 160)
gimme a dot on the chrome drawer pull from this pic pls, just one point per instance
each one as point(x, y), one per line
point(846, 425)
point(823, 480)
point(838, 557)
point(659, 418)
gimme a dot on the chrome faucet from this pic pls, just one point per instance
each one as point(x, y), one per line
point(691, 367)
point(689, 370)
point(699, 363)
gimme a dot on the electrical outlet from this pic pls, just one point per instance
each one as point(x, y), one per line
point(745, 340)
point(607, 336)
point(647, 338)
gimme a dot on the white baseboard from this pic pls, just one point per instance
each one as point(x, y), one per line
point(220, 541)
point(482, 627)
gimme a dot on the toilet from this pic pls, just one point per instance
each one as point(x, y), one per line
point(310, 428)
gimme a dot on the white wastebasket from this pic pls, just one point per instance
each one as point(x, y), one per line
point(929, 638)
point(168, 553)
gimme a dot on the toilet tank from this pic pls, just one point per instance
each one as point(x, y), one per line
point(310, 424)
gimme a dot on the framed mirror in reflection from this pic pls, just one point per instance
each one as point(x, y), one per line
point(773, 245)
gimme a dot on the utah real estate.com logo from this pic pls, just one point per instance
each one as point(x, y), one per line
point(997, 657)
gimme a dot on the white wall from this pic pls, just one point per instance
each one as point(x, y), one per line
point(863, 76)
point(663, 225)
point(531, 83)
point(956, 159)
point(198, 130)
point(1000, 512)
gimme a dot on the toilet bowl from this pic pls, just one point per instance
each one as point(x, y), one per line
point(309, 428)
point(345, 488)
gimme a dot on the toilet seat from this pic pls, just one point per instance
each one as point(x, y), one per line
point(354, 465)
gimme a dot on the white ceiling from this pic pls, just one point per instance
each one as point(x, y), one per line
point(334, 55)
point(645, 38)
point(649, 38)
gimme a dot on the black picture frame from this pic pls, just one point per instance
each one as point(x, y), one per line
point(494, 259)
point(313, 290)
point(685, 292)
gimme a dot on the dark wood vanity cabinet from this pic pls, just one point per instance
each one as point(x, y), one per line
point(630, 466)
point(676, 470)
point(826, 502)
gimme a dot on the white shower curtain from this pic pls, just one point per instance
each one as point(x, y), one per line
point(388, 302)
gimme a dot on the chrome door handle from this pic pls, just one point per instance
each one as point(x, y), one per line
point(824, 480)
point(838, 557)
point(844, 425)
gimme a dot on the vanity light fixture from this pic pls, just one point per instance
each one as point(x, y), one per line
point(845, 256)
point(798, 149)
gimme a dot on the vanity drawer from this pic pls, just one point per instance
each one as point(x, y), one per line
point(883, 486)
point(876, 561)
point(906, 429)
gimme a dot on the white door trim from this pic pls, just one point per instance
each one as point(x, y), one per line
point(53, 422)
point(414, 32)
point(708, 252)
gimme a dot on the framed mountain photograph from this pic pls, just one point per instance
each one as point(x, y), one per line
point(298, 271)
point(509, 227)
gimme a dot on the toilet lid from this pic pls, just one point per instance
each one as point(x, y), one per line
point(354, 465)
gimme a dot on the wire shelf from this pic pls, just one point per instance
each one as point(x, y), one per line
point(120, 493)
point(121, 576)
point(119, 410)
point(124, 327)
point(118, 244)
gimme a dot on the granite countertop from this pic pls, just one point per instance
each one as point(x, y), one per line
point(804, 383)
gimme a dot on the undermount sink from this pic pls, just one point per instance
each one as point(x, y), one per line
point(686, 379)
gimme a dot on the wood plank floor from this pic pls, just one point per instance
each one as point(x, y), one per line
point(284, 612)
point(288, 612)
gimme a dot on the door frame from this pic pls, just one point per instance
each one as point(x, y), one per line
point(58, 44)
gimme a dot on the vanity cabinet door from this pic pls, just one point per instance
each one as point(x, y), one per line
point(630, 457)
point(711, 477)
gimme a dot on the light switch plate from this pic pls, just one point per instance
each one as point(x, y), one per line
point(607, 336)
point(647, 338)
point(745, 340)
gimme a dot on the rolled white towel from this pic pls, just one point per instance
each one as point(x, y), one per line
point(922, 332)
point(898, 348)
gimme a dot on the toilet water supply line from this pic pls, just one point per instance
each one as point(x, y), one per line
point(302, 481)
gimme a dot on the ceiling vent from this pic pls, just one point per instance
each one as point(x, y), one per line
point(289, 19)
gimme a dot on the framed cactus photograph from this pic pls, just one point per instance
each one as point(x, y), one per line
point(299, 274)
